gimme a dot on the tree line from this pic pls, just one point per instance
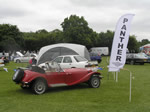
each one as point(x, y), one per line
point(75, 29)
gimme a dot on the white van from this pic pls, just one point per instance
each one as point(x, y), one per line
point(103, 51)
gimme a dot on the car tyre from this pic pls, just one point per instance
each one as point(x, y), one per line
point(18, 75)
point(131, 62)
point(94, 82)
point(39, 86)
point(142, 63)
point(99, 60)
point(18, 61)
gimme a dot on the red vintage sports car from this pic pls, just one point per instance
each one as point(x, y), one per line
point(39, 79)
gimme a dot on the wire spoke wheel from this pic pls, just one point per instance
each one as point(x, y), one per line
point(94, 82)
point(39, 87)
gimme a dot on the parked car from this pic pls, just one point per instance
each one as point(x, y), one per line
point(95, 57)
point(23, 58)
point(71, 61)
point(147, 57)
point(103, 51)
point(133, 58)
point(39, 79)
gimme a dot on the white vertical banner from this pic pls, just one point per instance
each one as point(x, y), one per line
point(120, 41)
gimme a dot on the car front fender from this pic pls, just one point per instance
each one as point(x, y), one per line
point(86, 78)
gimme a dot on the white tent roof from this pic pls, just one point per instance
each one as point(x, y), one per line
point(80, 49)
point(147, 45)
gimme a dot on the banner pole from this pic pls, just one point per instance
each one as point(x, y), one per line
point(130, 86)
point(116, 76)
point(107, 75)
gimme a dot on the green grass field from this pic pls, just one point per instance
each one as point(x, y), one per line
point(110, 97)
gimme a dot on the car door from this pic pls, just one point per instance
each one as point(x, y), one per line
point(55, 77)
point(75, 76)
point(130, 58)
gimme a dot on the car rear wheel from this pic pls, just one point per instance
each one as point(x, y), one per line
point(39, 86)
point(94, 82)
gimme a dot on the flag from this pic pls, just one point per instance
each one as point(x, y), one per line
point(99, 68)
point(5, 69)
point(120, 41)
point(15, 70)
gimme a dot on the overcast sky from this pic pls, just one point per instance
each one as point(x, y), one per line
point(102, 15)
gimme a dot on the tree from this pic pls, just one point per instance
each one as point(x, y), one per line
point(133, 44)
point(56, 36)
point(34, 41)
point(106, 39)
point(76, 30)
point(144, 42)
point(42, 31)
point(10, 38)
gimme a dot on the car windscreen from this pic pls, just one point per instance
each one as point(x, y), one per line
point(53, 67)
point(140, 55)
point(145, 55)
point(130, 55)
point(79, 58)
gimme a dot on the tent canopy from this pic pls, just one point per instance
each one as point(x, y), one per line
point(145, 49)
point(50, 52)
point(146, 46)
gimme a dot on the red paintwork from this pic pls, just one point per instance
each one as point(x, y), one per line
point(69, 76)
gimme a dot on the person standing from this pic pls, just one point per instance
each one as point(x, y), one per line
point(34, 61)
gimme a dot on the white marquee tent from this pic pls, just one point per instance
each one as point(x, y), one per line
point(48, 53)
point(145, 49)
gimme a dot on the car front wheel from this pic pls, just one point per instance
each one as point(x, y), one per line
point(94, 82)
point(39, 86)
